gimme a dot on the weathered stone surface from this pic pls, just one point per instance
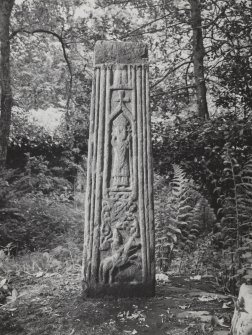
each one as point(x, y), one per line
point(242, 318)
point(120, 52)
point(119, 231)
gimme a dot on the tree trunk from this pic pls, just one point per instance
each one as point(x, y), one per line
point(5, 86)
point(198, 59)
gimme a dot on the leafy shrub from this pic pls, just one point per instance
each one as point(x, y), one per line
point(61, 155)
point(37, 228)
point(33, 210)
point(198, 146)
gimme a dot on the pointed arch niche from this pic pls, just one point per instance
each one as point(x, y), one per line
point(121, 150)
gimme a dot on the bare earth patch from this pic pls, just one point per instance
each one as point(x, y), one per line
point(51, 304)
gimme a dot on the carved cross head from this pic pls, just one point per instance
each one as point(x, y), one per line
point(121, 98)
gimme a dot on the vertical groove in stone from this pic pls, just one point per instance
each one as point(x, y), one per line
point(98, 186)
point(89, 179)
point(94, 158)
point(107, 132)
point(150, 180)
point(129, 75)
point(140, 170)
point(145, 172)
point(134, 132)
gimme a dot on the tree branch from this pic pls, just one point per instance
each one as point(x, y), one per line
point(149, 23)
point(147, 32)
point(127, 3)
point(170, 71)
point(60, 39)
point(174, 90)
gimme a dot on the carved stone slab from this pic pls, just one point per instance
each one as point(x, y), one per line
point(119, 233)
point(242, 318)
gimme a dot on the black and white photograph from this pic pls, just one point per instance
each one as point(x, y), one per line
point(125, 167)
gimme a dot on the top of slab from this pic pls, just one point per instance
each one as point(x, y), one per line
point(120, 52)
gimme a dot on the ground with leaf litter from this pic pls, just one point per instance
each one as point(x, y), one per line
point(50, 304)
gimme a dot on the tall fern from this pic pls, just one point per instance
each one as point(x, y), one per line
point(182, 210)
point(203, 217)
point(166, 228)
point(191, 210)
point(235, 199)
point(180, 217)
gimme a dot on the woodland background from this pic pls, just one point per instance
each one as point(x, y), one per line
point(201, 99)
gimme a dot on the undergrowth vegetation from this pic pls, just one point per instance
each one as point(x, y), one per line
point(203, 201)
point(235, 199)
point(197, 240)
point(41, 229)
point(187, 218)
point(32, 219)
point(202, 208)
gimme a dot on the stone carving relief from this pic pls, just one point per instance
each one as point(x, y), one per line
point(123, 253)
point(120, 244)
point(118, 252)
point(120, 153)
point(120, 236)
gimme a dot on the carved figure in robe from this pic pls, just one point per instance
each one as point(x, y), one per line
point(120, 143)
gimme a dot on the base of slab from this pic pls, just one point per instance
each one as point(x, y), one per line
point(120, 290)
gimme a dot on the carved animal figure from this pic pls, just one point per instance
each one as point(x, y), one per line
point(122, 254)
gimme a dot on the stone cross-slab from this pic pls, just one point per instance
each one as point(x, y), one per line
point(118, 256)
